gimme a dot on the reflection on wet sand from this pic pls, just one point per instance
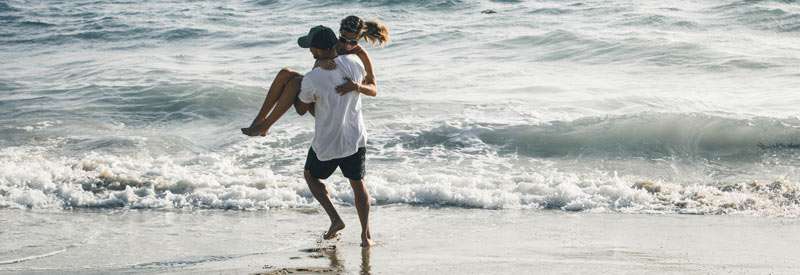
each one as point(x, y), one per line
point(365, 267)
point(336, 265)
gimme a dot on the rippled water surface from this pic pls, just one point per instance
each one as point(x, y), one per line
point(628, 106)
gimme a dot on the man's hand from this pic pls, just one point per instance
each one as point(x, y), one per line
point(347, 87)
point(302, 108)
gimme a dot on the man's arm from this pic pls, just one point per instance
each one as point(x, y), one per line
point(364, 88)
point(302, 108)
point(305, 99)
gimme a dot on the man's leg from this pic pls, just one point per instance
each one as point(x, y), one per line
point(321, 194)
point(354, 168)
point(361, 198)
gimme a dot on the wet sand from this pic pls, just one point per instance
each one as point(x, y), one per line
point(410, 240)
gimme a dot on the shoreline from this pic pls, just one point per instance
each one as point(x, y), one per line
point(410, 240)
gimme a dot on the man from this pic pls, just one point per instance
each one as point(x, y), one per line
point(340, 137)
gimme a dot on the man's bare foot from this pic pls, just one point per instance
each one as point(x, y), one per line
point(335, 228)
point(366, 242)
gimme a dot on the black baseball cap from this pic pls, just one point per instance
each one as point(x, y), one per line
point(318, 37)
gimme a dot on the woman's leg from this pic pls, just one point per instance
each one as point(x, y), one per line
point(284, 103)
point(273, 94)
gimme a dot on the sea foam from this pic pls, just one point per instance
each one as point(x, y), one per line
point(30, 180)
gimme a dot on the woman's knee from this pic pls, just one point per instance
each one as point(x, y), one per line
point(288, 73)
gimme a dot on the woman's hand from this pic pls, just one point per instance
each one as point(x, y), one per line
point(347, 87)
point(325, 64)
point(356, 50)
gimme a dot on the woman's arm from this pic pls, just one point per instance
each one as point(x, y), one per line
point(368, 86)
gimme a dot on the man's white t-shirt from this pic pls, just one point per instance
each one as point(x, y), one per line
point(338, 124)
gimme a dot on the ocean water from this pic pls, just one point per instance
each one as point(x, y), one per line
point(602, 106)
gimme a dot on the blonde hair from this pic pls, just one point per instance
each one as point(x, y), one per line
point(374, 32)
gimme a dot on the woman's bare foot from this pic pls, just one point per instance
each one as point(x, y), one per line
point(249, 132)
point(255, 130)
point(335, 228)
point(263, 131)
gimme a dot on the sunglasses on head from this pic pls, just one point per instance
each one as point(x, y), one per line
point(348, 41)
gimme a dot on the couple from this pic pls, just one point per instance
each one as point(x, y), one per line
point(331, 93)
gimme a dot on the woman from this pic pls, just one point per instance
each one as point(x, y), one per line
point(282, 94)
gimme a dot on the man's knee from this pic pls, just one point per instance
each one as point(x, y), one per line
point(357, 184)
point(310, 179)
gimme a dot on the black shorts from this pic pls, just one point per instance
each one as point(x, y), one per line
point(353, 166)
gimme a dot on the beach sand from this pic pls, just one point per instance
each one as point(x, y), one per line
point(410, 240)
